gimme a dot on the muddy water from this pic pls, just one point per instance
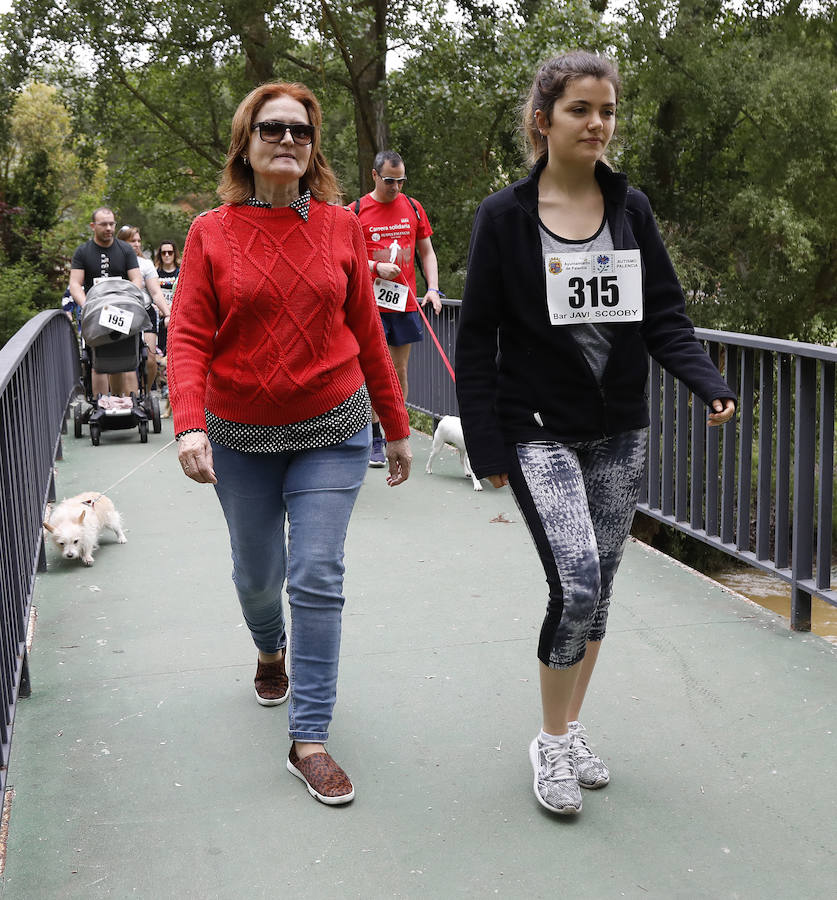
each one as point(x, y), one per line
point(774, 594)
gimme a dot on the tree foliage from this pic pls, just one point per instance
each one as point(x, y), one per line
point(734, 138)
point(723, 122)
point(459, 104)
point(46, 193)
point(179, 69)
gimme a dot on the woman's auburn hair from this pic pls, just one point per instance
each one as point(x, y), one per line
point(237, 185)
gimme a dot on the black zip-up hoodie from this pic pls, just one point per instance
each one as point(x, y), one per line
point(540, 368)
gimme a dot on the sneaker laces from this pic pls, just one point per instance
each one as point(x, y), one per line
point(578, 742)
point(559, 765)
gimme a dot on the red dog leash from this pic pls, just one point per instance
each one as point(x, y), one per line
point(442, 353)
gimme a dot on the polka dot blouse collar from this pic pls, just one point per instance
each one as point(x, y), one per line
point(300, 205)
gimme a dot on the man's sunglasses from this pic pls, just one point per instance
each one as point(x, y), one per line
point(274, 132)
point(388, 180)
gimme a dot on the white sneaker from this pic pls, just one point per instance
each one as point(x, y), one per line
point(555, 784)
point(591, 770)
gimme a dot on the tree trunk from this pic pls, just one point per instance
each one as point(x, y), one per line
point(246, 19)
point(366, 65)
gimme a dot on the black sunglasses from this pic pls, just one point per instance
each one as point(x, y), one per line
point(274, 132)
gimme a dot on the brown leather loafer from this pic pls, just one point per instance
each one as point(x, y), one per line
point(271, 683)
point(325, 780)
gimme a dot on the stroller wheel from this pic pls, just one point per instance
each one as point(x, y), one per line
point(143, 430)
point(156, 424)
point(77, 419)
point(95, 433)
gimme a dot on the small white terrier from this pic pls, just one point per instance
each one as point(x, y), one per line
point(76, 523)
point(449, 431)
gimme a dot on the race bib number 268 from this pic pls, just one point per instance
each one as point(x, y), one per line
point(391, 295)
point(596, 288)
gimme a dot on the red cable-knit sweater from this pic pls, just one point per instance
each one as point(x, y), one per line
point(274, 320)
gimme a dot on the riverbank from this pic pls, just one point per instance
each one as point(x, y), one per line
point(767, 590)
point(774, 594)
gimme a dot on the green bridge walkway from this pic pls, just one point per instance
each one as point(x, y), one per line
point(142, 766)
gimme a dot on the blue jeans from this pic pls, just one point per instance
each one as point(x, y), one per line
point(316, 491)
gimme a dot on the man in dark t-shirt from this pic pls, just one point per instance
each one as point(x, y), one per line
point(104, 257)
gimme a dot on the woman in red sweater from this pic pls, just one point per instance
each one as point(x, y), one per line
point(275, 347)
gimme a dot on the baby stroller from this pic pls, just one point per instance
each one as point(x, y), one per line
point(112, 321)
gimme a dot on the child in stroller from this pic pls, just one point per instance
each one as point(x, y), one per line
point(112, 321)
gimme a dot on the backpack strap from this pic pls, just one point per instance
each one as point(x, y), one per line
point(409, 200)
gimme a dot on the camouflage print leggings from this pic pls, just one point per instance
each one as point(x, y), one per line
point(578, 500)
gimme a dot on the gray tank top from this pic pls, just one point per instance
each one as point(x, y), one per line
point(595, 340)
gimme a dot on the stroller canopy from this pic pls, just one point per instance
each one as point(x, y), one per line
point(112, 292)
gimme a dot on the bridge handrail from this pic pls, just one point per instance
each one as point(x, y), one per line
point(776, 345)
point(760, 489)
point(39, 373)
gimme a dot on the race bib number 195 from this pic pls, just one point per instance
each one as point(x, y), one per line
point(596, 288)
point(116, 319)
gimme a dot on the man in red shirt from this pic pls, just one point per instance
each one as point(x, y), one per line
point(394, 227)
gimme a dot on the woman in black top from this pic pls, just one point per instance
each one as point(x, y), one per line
point(167, 261)
point(568, 277)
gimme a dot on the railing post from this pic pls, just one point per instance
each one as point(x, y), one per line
point(25, 689)
point(696, 488)
point(826, 475)
point(711, 482)
point(654, 436)
point(681, 467)
point(783, 431)
point(745, 450)
point(42, 560)
point(728, 493)
point(765, 469)
point(805, 421)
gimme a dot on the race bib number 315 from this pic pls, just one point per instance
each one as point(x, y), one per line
point(595, 288)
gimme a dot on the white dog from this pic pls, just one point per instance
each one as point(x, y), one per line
point(449, 431)
point(76, 523)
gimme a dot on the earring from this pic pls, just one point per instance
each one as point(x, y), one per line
point(245, 160)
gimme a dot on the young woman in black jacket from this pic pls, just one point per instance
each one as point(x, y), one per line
point(569, 280)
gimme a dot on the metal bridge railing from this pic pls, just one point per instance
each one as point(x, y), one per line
point(760, 488)
point(431, 388)
point(39, 373)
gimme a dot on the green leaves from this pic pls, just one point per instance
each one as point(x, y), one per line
point(733, 137)
point(728, 118)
